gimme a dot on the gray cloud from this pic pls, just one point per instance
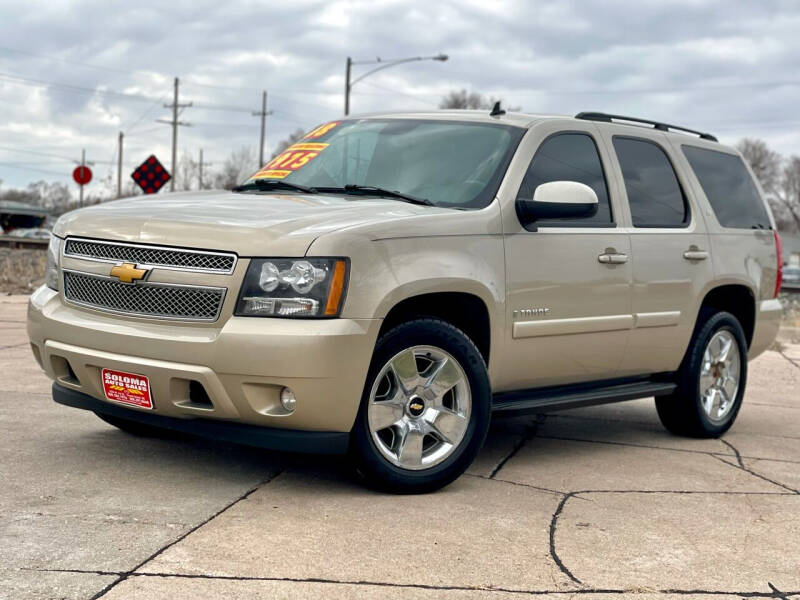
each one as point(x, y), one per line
point(699, 63)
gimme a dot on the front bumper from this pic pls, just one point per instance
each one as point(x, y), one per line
point(241, 364)
point(269, 438)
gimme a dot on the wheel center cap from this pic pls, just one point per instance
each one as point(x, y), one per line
point(415, 406)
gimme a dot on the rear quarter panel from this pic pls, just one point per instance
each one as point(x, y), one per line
point(741, 256)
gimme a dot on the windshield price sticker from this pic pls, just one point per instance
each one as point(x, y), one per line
point(321, 130)
point(291, 160)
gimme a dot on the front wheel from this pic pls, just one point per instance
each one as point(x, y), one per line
point(711, 380)
point(425, 409)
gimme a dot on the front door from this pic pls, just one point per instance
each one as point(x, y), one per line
point(567, 282)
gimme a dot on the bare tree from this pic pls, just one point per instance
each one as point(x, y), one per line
point(464, 100)
point(780, 179)
point(187, 172)
point(293, 138)
point(239, 165)
point(766, 163)
point(789, 189)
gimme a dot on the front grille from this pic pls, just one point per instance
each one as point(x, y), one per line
point(161, 300)
point(154, 256)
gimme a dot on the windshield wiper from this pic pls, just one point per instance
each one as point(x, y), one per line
point(272, 184)
point(377, 191)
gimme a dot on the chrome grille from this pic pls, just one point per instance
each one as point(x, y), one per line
point(162, 300)
point(154, 256)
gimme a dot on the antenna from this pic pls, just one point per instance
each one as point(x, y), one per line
point(496, 110)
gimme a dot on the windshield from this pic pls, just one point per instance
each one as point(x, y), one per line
point(448, 163)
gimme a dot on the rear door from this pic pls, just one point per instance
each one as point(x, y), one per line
point(670, 249)
point(568, 310)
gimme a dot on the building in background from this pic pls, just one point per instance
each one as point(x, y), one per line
point(16, 215)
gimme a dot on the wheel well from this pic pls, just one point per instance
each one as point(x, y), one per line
point(737, 300)
point(465, 311)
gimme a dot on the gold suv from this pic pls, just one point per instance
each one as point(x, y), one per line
point(387, 284)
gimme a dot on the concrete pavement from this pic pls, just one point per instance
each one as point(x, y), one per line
point(592, 503)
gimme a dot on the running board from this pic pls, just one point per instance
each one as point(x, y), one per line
point(576, 396)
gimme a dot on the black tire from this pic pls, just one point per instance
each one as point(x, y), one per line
point(682, 412)
point(377, 471)
point(134, 427)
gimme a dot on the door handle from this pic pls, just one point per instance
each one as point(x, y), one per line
point(613, 258)
point(694, 253)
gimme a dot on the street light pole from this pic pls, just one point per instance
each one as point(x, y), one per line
point(347, 69)
point(384, 64)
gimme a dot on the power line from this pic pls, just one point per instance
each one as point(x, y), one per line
point(75, 62)
point(398, 92)
point(67, 158)
point(186, 82)
point(20, 167)
point(67, 87)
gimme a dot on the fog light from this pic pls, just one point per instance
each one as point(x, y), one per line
point(288, 401)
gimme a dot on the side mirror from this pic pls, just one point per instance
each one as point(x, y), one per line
point(558, 200)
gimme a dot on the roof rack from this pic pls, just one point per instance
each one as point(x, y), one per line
point(598, 116)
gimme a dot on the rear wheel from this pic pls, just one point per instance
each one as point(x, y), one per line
point(711, 380)
point(425, 408)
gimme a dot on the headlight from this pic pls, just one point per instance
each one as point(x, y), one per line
point(293, 287)
point(51, 271)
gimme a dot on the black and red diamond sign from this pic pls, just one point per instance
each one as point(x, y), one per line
point(150, 175)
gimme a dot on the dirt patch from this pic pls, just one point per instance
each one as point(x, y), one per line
point(21, 271)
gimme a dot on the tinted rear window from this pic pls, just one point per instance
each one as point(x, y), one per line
point(728, 187)
point(654, 194)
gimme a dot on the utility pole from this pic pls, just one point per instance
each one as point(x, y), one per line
point(119, 166)
point(175, 123)
point(201, 164)
point(347, 86)
point(263, 113)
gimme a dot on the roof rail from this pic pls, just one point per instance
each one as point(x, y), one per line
point(598, 116)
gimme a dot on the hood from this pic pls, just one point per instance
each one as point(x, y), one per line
point(277, 224)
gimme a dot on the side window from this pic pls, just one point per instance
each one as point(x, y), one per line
point(654, 194)
point(569, 157)
point(729, 188)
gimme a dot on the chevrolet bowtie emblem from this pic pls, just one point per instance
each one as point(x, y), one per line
point(128, 273)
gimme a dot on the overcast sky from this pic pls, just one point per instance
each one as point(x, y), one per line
point(75, 73)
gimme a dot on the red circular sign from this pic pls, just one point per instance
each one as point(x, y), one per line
point(82, 175)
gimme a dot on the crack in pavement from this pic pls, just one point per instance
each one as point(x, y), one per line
point(577, 494)
point(528, 435)
point(532, 432)
point(14, 346)
point(122, 576)
point(508, 481)
point(740, 465)
point(632, 445)
point(777, 592)
point(773, 593)
point(791, 360)
point(553, 525)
